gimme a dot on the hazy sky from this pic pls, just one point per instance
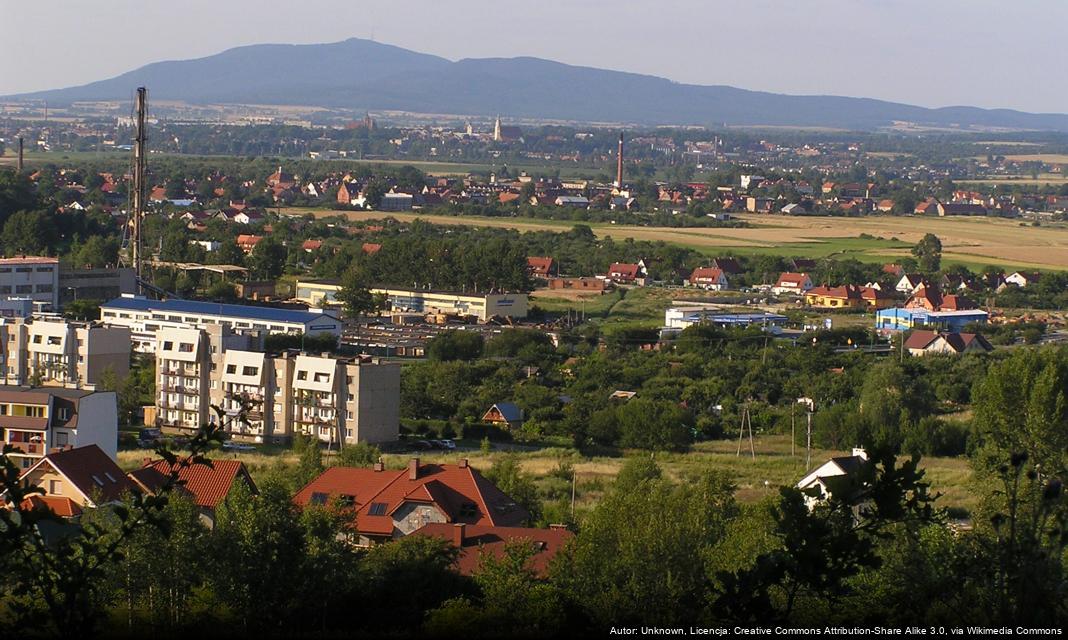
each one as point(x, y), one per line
point(988, 53)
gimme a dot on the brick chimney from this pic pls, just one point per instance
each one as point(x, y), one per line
point(458, 531)
point(413, 469)
point(463, 463)
point(380, 466)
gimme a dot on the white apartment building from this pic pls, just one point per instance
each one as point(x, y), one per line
point(37, 421)
point(145, 317)
point(33, 277)
point(334, 399)
point(54, 351)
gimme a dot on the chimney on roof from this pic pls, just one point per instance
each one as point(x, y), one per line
point(380, 466)
point(146, 461)
point(558, 526)
point(413, 469)
point(458, 531)
point(859, 452)
point(463, 463)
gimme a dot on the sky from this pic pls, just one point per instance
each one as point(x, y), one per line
point(932, 53)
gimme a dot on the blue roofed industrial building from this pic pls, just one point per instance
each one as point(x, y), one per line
point(901, 319)
point(144, 317)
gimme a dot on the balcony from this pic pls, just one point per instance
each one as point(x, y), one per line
point(28, 448)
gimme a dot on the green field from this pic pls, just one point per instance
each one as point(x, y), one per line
point(756, 477)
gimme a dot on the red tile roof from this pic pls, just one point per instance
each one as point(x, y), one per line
point(207, 485)
point(449, 487)
point(59, 505)
point(477, 541)
point(706, 274)
point(371, 248)
point(540, 266)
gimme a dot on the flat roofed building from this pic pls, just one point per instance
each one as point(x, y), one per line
point(33, 277)
point(54, 351)
point(482, 306)
point(901, 319)
point(38, 420)
point(269, 397)
point(145, 317)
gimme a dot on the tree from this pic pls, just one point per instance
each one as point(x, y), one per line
point(268, 259)
point(98, 251)
point(360, 454)
point(455, 345)
point(1021, 406)
point(654, 424)
point(509, 478)
point(928, 252)
point(635, 560)
point(28, 232)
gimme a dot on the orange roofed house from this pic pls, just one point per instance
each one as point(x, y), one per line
point(206, 486)
point(847, 297)
point(392, 504)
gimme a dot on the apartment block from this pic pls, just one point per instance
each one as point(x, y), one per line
point(54, 351)
point(40, 420)
point(337, 400)
point(33, 277)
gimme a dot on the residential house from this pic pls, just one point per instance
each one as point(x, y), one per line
point(478, 541)
point(840, 478)
point(847, 297)
point(625, 273)
point(390, 504)
point(728, 266)
point(505, 414)
point(923, 342)
point(910, 282)
point(709, 278)
point(248, 242)
point(1022, 278)
point(541, 267)
point(75, 479)
point(792, 283)
point(207, 486)
point(53, 351)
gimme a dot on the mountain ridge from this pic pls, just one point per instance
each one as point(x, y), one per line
point(361, 74)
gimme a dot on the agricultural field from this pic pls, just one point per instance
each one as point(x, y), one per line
point(973, 242)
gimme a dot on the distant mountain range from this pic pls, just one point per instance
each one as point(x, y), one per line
point(365, 75)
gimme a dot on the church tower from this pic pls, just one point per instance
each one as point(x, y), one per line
point(497, 130)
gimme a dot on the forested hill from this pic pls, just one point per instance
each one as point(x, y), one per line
point(361, 74)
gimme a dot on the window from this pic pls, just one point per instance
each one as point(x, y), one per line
point(23, 270)
point(168, 345)
point(24, 288)
point(185, 347)
point(5, 289)
point(468, 510)
point(37, 339)
point(377, 509)
point(61, 439)
point(63, 413)
point(302, 375)
point(231, 368)
point(55, 340)
point(44, 269)
point(214, 384)
point(44, 288)
point(249, 371)
point(5, 270)
point(318, 498)
point(322, 377)
point(55, 487)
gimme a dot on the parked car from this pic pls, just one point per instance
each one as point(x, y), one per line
point(230, 445)
point(448, 445)
point(148, 437)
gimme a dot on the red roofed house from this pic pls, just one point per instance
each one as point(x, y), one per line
point(75, 479)
point(796, 283)
point(847, 297)
point(248, 242)
point(371, 248)
point(207, 486)
point(625, 273)
point(475, 542)
point(541, 267)
point(311, 245)
point(922, 342)
point(709, 278)
point(392, 504)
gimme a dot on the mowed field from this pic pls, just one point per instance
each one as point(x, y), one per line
point(971, 241)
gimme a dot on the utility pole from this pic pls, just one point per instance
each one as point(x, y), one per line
point(19, 165)
point(139, 189)
point(808, 442)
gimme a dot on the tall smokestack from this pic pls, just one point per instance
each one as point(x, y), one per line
point(619, 162)
point(19, 165)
